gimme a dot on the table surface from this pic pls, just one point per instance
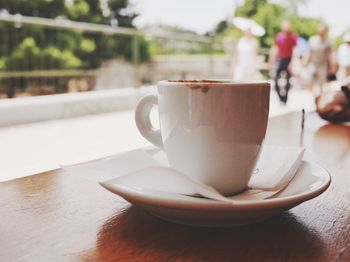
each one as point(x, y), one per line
point(56, 217)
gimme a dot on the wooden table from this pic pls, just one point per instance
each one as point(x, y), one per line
point(57, 217)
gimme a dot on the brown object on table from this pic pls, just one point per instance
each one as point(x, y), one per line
point(334, 106)
point(57, 217)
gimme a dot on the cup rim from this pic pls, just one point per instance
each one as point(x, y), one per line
point(210, 82)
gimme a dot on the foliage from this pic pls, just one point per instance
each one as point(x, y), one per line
point(270, 16)
point(250, 8)
point(305, 27)
point(337, 41)
point(29, 47)
point(221, 27)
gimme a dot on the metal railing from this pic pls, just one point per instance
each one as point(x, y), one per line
point(41, 76)
point(99, 28)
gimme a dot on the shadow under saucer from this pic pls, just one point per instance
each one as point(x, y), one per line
point(134, 233)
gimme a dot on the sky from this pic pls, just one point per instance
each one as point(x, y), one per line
point(202, 15)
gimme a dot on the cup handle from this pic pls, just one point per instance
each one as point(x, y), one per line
point(143, 121)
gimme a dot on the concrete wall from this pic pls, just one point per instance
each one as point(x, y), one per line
point(49, 107)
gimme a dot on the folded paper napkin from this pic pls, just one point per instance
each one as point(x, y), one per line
point(276, 167)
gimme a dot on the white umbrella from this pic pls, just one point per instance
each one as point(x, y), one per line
point(248, 24)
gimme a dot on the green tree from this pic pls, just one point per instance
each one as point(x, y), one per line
point(46, 48)
point(250, 8)
point(270, 16)
point(221, 27)
point(29, 47)
point(42, 8)
point(304, 26)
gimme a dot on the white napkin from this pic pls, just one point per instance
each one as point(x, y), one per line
point(276, 166)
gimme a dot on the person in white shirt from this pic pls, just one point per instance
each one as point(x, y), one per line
point(245, 63)
point(343, 57)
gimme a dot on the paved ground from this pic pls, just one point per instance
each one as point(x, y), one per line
point(32, 148)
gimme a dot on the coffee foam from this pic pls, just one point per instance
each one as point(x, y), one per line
point(205, 84)
point(215, 83)
point(204, 81)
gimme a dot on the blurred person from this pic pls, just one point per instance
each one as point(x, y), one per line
point(333, 67)
point(285, 41)
point(272, 61)
point(300, 76)
point(319, 59)
point(343, 57)
point(245, 63)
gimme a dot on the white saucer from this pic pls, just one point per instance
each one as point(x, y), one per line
point(310, 181)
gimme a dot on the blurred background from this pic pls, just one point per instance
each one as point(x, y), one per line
point(71, 71)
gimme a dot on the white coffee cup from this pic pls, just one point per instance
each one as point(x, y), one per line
point(211, 131)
